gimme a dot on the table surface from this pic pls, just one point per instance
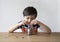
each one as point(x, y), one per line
point(23, 37)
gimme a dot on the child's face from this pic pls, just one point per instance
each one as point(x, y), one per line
point(29, 18)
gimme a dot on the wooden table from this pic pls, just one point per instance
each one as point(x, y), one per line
point(23, 37)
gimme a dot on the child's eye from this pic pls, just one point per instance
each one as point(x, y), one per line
point(27, 18)
point(32, 18)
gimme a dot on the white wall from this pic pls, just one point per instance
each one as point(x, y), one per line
point(11, 12)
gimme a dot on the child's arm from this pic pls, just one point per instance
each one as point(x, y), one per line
point(44, 27)
point(13, 28)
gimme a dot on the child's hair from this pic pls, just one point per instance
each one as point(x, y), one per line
point(30, 11)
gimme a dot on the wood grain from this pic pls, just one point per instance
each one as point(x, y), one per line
point(23, 37)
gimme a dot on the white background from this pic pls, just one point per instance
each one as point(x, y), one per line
point(11, 13)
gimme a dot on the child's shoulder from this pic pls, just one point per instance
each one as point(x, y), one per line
point(21, 21)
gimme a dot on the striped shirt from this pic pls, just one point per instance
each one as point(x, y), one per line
point(25, 27)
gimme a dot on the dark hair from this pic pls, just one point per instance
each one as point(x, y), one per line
point(30, 11)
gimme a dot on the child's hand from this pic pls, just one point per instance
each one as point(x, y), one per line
point(34, 22)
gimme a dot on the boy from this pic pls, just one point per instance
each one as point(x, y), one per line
point(30, 14)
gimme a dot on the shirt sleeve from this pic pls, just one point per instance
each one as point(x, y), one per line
point(36, 26)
